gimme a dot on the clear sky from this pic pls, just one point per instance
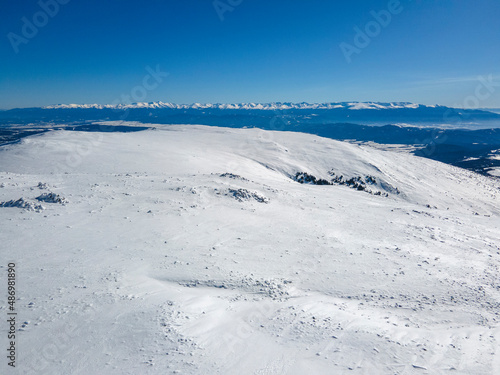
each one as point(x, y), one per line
point(429, 51)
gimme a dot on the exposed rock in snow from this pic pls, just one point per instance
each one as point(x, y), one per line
point(51, 198)
point(23, 203)
point(356, 183)
point(242, 195)
point(42, 185)
point(233, 176)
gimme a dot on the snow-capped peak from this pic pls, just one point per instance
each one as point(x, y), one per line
point(260, 106)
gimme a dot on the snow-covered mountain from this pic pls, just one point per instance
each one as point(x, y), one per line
point(439, 132)
point(260, 115)
point(206, 250)
point(262, 106)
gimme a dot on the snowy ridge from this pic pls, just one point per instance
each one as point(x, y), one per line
point(205, 250)
point(261, 106)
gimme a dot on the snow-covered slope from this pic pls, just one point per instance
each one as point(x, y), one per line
point(192, 249)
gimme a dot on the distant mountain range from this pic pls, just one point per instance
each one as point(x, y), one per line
point(468, 138)
point(258, 106)
point(266, 115)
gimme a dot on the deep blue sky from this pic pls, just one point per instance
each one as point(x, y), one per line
point(284, 50)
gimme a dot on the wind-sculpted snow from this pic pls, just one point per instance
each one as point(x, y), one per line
point(195, 250)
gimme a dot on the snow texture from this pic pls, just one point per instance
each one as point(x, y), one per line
point(194, 250)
